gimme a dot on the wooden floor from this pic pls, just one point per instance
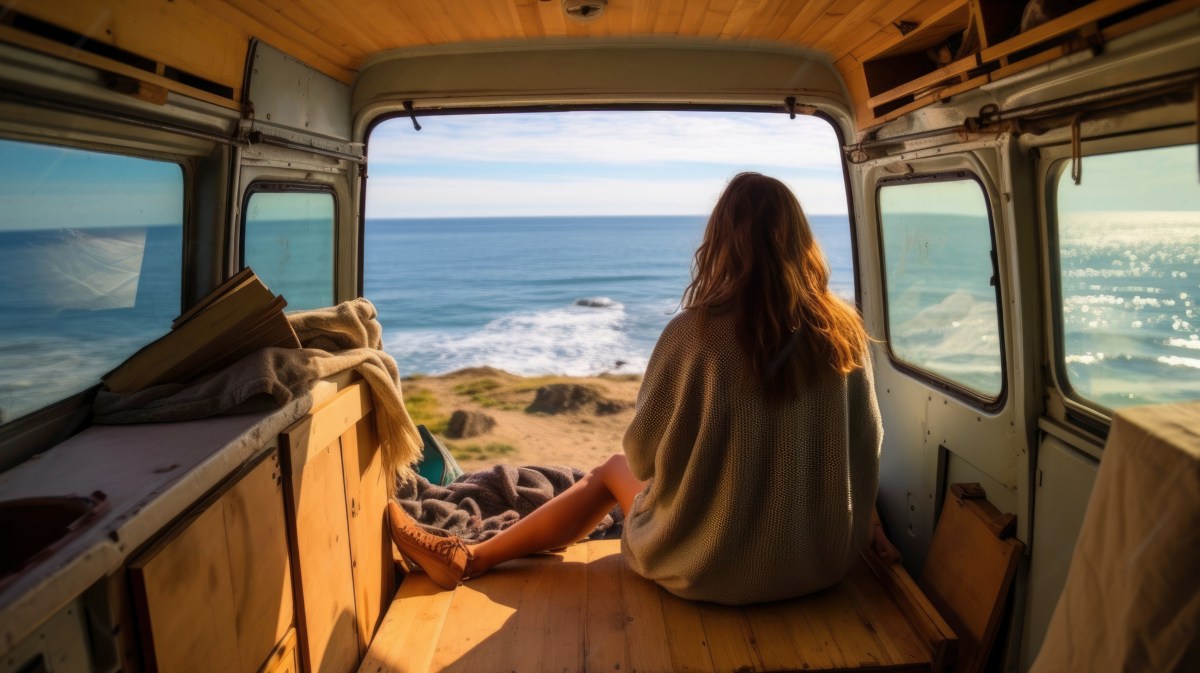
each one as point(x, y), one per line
point(584, 610)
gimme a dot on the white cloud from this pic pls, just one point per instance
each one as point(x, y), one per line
point(421, 197)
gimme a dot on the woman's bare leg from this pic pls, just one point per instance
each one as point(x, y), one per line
point(566, 518)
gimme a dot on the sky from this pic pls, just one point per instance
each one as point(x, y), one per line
point(594, 163)
point(944, 197)
point(555, 164)
point(44, 187)
point(1160, 179)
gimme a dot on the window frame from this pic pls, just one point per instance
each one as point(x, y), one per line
point(932, 379)
point(289, 186)
point(1054, 161)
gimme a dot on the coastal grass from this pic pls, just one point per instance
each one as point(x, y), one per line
point(486, 392)
point(495, 389)
point(479, 451)
point(425, 410)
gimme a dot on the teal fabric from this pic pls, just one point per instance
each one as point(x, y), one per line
point(437, 466)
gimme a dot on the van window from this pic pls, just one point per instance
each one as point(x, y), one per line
point(942, 296)
point(288, 241)
point(1128, 257)
point(90, 266)
point(561, 243)
point(505, 252)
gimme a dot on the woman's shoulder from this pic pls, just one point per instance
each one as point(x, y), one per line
point(699, 321)
point(698, 334)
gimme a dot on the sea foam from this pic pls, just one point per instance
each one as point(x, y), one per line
point(575, 340)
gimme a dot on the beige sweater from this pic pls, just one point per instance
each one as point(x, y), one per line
point(748, 500)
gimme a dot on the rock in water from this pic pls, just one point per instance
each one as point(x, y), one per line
point(465, 424)
point(595, 302)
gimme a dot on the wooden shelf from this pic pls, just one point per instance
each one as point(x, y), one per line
point(901, 77)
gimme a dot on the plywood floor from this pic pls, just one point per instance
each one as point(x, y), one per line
point(584, 610)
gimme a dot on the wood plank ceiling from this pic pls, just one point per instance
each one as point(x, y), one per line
point(208, 37)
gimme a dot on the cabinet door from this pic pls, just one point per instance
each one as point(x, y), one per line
point(260, 571)
point(217, 594)
point(283, 659)
point(317, 498)
point(336, 494)
point(367, 492)
point(320, 533)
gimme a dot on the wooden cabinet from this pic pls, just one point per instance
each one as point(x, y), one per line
point(284, 659)
point(216, 592)
point(966, 44)
point(336, 497)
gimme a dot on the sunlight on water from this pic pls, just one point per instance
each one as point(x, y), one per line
point(941, 301)
point(1128, 281)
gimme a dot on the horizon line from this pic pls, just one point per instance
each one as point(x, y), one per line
point(511, 217)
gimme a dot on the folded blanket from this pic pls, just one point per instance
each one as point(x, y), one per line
point(349, 328)
point(478, 505)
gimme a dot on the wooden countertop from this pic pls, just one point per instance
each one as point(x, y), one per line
point(150, 475)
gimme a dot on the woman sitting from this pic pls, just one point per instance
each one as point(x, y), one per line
point(751, 465)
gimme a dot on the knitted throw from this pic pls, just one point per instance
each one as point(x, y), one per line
point(749, 500)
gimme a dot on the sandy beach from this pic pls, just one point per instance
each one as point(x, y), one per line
point(541, 420)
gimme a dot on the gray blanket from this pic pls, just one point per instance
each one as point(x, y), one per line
point(478, 505)
point(337, 338)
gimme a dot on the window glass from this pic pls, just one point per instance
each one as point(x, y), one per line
point(1129, 274)
point(941, 295)
point(90, 265)
point(289, 244)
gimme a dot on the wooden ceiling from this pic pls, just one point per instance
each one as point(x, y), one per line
point(208, 37)
point(199, 47)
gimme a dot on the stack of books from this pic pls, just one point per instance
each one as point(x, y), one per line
point(234, 320)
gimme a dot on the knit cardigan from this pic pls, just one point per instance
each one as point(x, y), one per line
point(749, 499)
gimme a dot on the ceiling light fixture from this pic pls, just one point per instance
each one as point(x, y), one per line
point(584, 10)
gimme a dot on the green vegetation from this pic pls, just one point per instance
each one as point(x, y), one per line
point(620, 377)
point(423, 406)
point(479, 451)
point(481, 392)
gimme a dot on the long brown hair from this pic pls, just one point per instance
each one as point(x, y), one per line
point(759, 260)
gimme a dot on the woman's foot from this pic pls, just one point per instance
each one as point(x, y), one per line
point(445, 559)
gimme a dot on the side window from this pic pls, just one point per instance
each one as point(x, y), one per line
point(942, 303)
point(288, 238)
point(1128, 258)
point(90, 266)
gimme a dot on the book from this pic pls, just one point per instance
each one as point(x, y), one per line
point(237, 318)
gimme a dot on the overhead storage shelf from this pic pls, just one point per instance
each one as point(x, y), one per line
point(973, 42)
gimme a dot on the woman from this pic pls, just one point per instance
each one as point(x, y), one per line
point(751, 465)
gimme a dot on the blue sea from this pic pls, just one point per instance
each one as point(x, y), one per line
point(584, 295)
point(543, 295)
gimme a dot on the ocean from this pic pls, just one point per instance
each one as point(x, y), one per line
point(585, 295)
point(545, 295)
